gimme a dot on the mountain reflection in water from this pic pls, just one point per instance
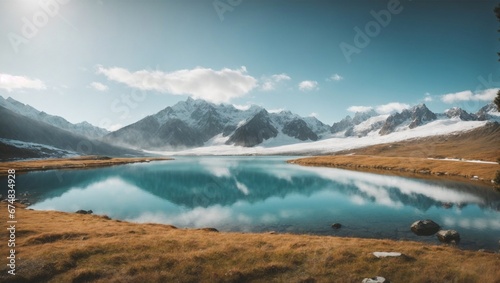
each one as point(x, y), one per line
point(265, 193)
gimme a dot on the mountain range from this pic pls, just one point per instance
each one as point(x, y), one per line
point(194, 123)
point(198, 123)
point(370, 122)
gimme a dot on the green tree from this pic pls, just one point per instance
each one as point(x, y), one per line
point(497, 100)
point(497, 14)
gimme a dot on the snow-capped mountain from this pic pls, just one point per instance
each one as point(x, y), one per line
point(197, 123)
point(83, 128)
point(371, 123)
point(488, 112)
point(408, 119)
point(194, 123)
point(360, 125)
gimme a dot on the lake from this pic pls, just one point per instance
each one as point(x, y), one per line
point(258, 194)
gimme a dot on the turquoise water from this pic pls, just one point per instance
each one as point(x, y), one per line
point(256, 194)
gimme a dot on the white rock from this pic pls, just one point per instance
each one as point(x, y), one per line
point(376, 279)
point(386, 254)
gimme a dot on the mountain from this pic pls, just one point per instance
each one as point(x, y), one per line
point(488, 112)
point(18, 129)
point(408, 118)
point(83, 128)
point(194, 123)
point(255, 131)
point(461, 114)
point(362, 124)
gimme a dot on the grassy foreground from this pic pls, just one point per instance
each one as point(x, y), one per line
point(68, 247)
point(71, 163)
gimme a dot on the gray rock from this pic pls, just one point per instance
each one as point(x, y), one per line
point(376, 279)
point(336, 225)
point(448, 236)
point(425, 227)
point(81, 211)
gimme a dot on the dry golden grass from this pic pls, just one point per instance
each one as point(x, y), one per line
point(71, 163)
point(411, 157)
point(411, 166)
point(68, 247)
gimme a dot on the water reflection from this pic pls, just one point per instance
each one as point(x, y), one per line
point(265, 193)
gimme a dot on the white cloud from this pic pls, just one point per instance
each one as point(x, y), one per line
point(10, 82)
point(98, 86)
point(269, 83)
point(314, 114)
point(381, 109)
point(360, 109)
point(335, 78)
point(114, 127)
point(241, 107)
point(308, 85)
point(467, 95)
point(204, 83)
point(280, 77)
point(427, 97)
point(391, 107)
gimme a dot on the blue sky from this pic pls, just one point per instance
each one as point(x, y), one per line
point(112, 63)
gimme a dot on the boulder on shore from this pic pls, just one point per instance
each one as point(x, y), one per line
point(425, 227)
point(376, 279)
point(448, 236)
point(81, 211)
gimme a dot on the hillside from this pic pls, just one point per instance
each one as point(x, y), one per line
point(83, 128)
point(17, 127)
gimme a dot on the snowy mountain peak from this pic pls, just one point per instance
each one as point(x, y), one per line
point(203, 121)
point(457, 112)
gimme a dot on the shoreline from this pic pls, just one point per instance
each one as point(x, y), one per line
point(55, 246)
point(83, 162)
point(423, 168)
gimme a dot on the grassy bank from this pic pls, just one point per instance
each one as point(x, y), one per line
point(406, 166)
point(71, 163)
point(417, 157)
point(67, 247)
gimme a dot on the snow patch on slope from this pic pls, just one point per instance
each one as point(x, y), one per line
point(330, 145)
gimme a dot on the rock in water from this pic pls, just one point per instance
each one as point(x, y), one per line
point(336, 225)
point(448, 236)
point(376, 279)
point(424, 227)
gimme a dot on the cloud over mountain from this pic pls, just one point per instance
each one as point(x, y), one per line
point(467, 95)
point(203, 83)
point(269, 83)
